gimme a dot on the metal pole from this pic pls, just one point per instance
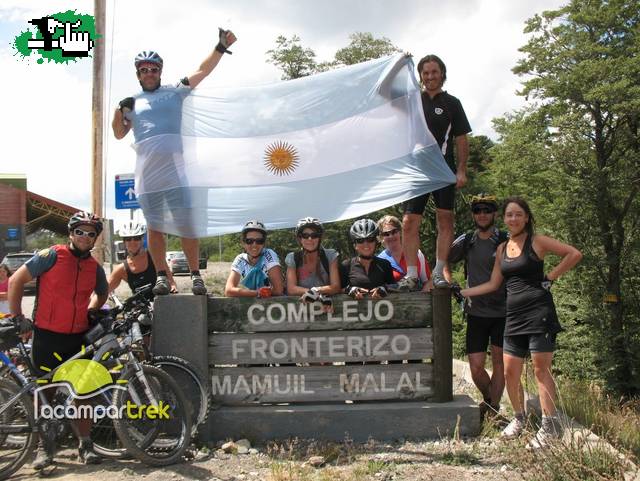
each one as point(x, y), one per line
point(97, 118)
point(220, 247)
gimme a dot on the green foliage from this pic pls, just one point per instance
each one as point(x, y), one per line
point(44, 238)
point(364, 46)
point(292, 58)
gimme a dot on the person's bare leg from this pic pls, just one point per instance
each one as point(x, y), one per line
point(479, 374)
point(544, 379)
point(191, 248)
point(497, 376)
point(411, 244)
point(444, 221)
point(158, 250)
point(512, 372)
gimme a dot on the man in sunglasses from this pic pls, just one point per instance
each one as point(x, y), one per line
point(156, 113)
point(485, 314)
point(67, 276)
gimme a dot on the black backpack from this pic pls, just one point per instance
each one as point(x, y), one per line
point(498, 237)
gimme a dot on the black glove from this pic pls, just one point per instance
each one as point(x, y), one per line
point(382, 291)
point(223, 46)
point(95, 315)
point(546, 284)
point(455, 292)
point(23, 324)
point(311, 295)
point(353, 291)
point(127, 104)
point(326, 301)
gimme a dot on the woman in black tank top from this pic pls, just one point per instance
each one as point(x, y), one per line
point(532, 322)
point(137, 270)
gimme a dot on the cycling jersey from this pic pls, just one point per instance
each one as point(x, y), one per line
point(64, 287)
point(136, 280)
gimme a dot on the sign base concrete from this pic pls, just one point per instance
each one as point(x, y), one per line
point(335, 422)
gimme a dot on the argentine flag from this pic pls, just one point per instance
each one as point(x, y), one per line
point(336, 145)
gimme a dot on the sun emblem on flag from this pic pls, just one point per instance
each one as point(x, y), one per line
point(281, 158)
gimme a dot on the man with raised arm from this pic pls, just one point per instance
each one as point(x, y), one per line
point(155, 115)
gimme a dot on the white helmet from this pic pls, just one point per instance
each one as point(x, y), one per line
point(132, 229)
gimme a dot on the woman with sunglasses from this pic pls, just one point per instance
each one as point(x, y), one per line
point(390, 229)
point(365, 274)
point(138, 269)
point(256, 272)
point(532, 322)
point(312, 272)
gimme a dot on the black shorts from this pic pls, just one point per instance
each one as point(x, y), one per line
point(46, 343)
point(520, 345)
point(480, 330)
point(444, 199)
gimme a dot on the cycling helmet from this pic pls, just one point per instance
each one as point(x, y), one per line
point(363, 229)
point(148, 56)
point(310, 222)
point(484, 199)
point(85, 218)
point(132, 229)
point(255, 225)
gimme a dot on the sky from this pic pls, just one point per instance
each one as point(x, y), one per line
point(47, 120)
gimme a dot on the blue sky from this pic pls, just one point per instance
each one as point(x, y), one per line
point(47, 120)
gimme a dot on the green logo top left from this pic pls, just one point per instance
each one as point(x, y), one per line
point(58, 37)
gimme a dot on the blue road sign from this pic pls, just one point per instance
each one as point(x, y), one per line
point(125, 192)
point(12, 233)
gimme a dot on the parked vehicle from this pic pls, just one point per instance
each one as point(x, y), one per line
point(177, 262)
point(14, 260)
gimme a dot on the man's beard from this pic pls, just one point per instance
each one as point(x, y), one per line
point(485, 228)
point(151, 89)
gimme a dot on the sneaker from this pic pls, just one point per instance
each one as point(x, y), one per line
point(543, 438)
point(162, 286)
point(407, 284)
point(87, 455)
point(439, 281)
point(198, 287)
point(44, 458)
point(513, 429)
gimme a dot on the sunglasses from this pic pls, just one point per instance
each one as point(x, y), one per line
point(134, 238)
point(149, 70)
point(250, 241)
point(84, 233)
point(482, 210)
point(312, 235)
point(368, 240)
point(390, 232)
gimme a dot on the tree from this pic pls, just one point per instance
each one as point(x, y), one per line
point(581, 65)
point(364, 47)
point(292, 58)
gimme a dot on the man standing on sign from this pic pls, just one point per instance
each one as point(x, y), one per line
point(448, 123)
point(156, 115)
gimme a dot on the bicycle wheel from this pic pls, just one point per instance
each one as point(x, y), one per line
point(18, 430)
point(191, 382)
point(156, 439)
point(103, 433)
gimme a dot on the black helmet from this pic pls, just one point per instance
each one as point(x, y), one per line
point(363, 229)
point(255, 225)
point(310, 222)
point(484, 199)
point(148, 56)
point(85, 218)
